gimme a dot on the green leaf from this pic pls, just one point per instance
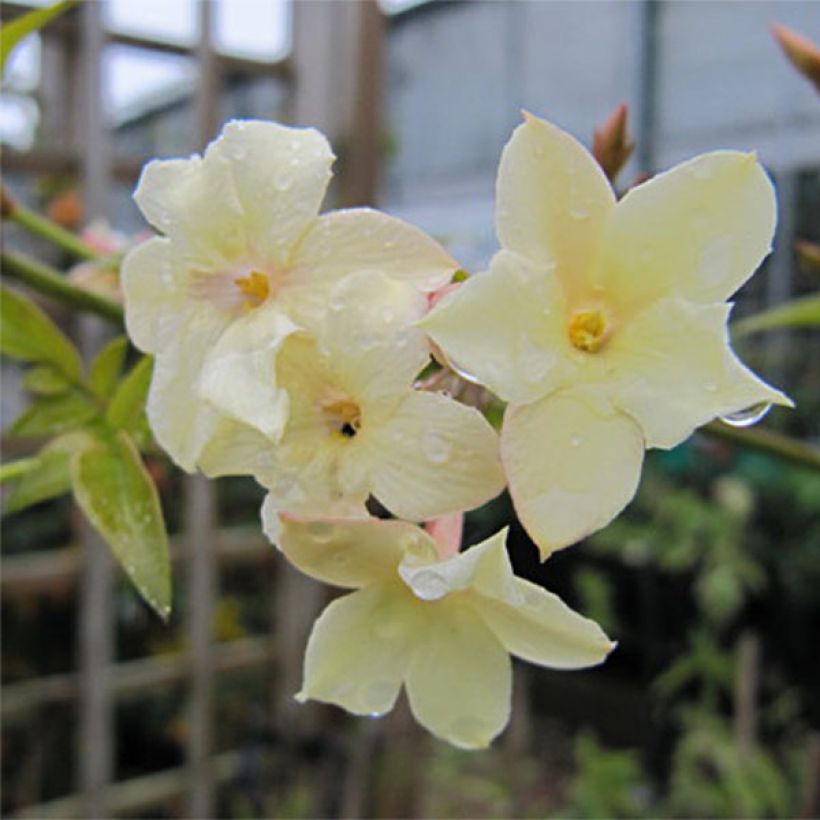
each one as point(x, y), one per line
point(14, 31)
point(27, 333)
point(802, 312)
point(127, 408)
point(50, 476)
point(106, 367)
point(44, 380)
point(54, 414)
point(115, 491)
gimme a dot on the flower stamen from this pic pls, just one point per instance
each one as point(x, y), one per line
point(255, 286)
point(343, 415)
point(587, 330)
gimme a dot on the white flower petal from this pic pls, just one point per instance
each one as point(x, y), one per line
point(434, 456)
point(154, 295)
point(359, 649)
point(361, 239)
point(506, 328)
point(573, 463)
point(193, 202)
point(542, 629)
point(698, 231)
point(551, 201)
point(237, 449)
point(484, 567)
point(280, 175)
point(459, 679)
point(369, 340)
point(675, 370)
point(181, 422)
point(239, 373)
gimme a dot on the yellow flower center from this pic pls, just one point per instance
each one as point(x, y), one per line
point(255, 286)
point(587, 329)
point(343, 415)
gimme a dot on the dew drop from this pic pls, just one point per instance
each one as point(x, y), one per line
point(388, 315)
point(429, 585)
point(435, 447)
point(710, 387)
point(579, 211)
point(575, 441)
point(748, 416)
point(283, 180)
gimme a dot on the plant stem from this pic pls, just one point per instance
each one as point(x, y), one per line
point(46, 280)
point(776, 444)
point(39, 225)
point(14, 469)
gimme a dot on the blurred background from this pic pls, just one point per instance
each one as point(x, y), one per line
point(709, 581)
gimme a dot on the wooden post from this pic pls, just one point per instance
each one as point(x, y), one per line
point(200, 517)
point(95, 752)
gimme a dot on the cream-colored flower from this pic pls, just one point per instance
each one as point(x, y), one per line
point(244, 260)
point(603, 323)
point(356, 425)
point(443, 628)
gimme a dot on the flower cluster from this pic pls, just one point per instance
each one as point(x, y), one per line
point(289, 346)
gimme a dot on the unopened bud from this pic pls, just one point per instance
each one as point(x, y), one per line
point(803, 54)
point(809, 254)
point(67, 210)
point(612, 146)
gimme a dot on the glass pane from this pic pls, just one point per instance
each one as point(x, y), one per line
point(257, 29)
point(138, 80)
point(168, 20)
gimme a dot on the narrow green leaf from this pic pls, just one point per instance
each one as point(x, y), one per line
point(106, 367)
point(54, 414)
point(50, 475)
point(16, 469)
point(117, 494)
point(27, 333)
point(14, 31)
point(127, 408)
point(44, 380)
point(801, 312)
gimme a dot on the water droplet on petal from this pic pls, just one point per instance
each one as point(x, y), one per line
point(464, 373)
point(748, 416)
point(388, 315)
point(429, 585)
point(436, 447)
point(710, 387)
point(283, 180)
point(575, 441)
point(578, 211)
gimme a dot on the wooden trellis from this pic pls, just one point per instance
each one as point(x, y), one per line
point(333, 79)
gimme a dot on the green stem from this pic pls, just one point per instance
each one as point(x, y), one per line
point(46, 280)
point(14, 469)
point(776, 444)
point(39, 225)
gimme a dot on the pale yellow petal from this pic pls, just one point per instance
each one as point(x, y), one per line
point(347, 553)
point(359, 650)
point(369, 340)
point(542, 629)
point(182, 423)
point(552, 199)
point(506, 328)
point(673, 370)
point(459, 679)
point(154, 295)
point(698, 231)
point(484, 567)
point(194, 203)
point(433, 457)
point(237, 449)
point(280, 176)
point(361, 239)
point(239, 372)
point(573, 463)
